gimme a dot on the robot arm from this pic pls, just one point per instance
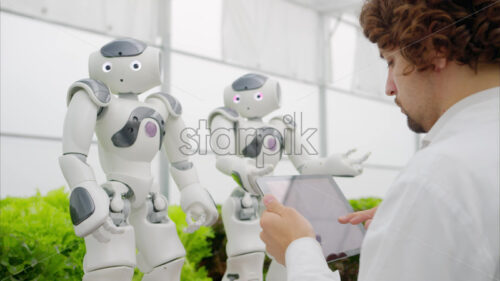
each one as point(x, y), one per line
point(223, 143)
point(196, 202)
point(336, 164)
point(89, 203)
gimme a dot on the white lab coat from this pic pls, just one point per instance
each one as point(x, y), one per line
point(440, 220)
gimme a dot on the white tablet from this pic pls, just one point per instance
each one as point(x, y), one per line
point(319, 200)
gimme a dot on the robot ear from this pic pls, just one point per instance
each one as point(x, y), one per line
point(228, 97)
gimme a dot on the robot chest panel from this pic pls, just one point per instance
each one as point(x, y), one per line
point(132, 129)
point(259, 140)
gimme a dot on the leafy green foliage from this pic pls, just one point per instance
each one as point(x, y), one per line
point(37, 240)
point(364, 203)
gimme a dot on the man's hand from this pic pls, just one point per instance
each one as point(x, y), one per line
point(281, 226)
point(365, 216)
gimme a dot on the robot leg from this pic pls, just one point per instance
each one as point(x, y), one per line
point(160, 251)
point(113, 259)
point(245, 250)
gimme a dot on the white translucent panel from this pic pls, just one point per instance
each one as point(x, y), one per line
point(372, 183)
point(28, 165)
point(369, 126)
point(301, 101)
point(126, 18)
point(370, 71)
point(199, 86)
point(343, 51)
point(37, 71)
point(196, 27)
point(275, 36)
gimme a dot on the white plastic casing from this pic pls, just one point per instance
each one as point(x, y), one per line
point(242, 236)
point(249, 267)
point(118, 251)
point(79, 123)
point(101, 209)
point(157, 244)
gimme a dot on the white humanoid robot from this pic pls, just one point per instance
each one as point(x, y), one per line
point(246, 148)
point(125, 214)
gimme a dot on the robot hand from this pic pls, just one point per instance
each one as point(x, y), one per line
point(245, 174)
point(119, 210)
point(339, 165)
point(343, 166)
point(103, 233)
point(199, 207)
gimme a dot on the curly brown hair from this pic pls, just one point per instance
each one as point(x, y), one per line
point(465, 31)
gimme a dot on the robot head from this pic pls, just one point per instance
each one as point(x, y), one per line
point(126, 66)
point(253, 95)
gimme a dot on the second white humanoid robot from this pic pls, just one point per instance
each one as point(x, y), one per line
point(246, 147)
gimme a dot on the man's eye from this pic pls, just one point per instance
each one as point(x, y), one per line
point(390, 63)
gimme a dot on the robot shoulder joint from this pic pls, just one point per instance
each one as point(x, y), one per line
point(97, 91)
point(174, 107)
point(225, 112)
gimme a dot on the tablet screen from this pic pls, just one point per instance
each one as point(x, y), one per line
point(320, 201)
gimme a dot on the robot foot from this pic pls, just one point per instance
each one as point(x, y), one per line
point(111, 273)
point(169, 271)
point(247, 267)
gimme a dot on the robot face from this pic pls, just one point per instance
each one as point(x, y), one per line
point(253, 96)
point(126, 66)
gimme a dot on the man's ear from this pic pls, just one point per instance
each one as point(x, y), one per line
point(439, 61)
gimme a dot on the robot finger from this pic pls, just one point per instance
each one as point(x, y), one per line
point(350, 151)
point(362, 158)
point(193, 225)
point(210, 219)
point(159, 202)
point(117, 203)
point(111, 227)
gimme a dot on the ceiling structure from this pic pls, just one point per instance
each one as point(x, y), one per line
point(330, 7)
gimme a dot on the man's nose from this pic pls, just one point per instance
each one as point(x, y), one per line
point(390, 86)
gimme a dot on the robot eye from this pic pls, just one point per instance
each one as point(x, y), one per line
point(236, 98)
point(258, 96)
point(106, 67)
point(135, 65)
